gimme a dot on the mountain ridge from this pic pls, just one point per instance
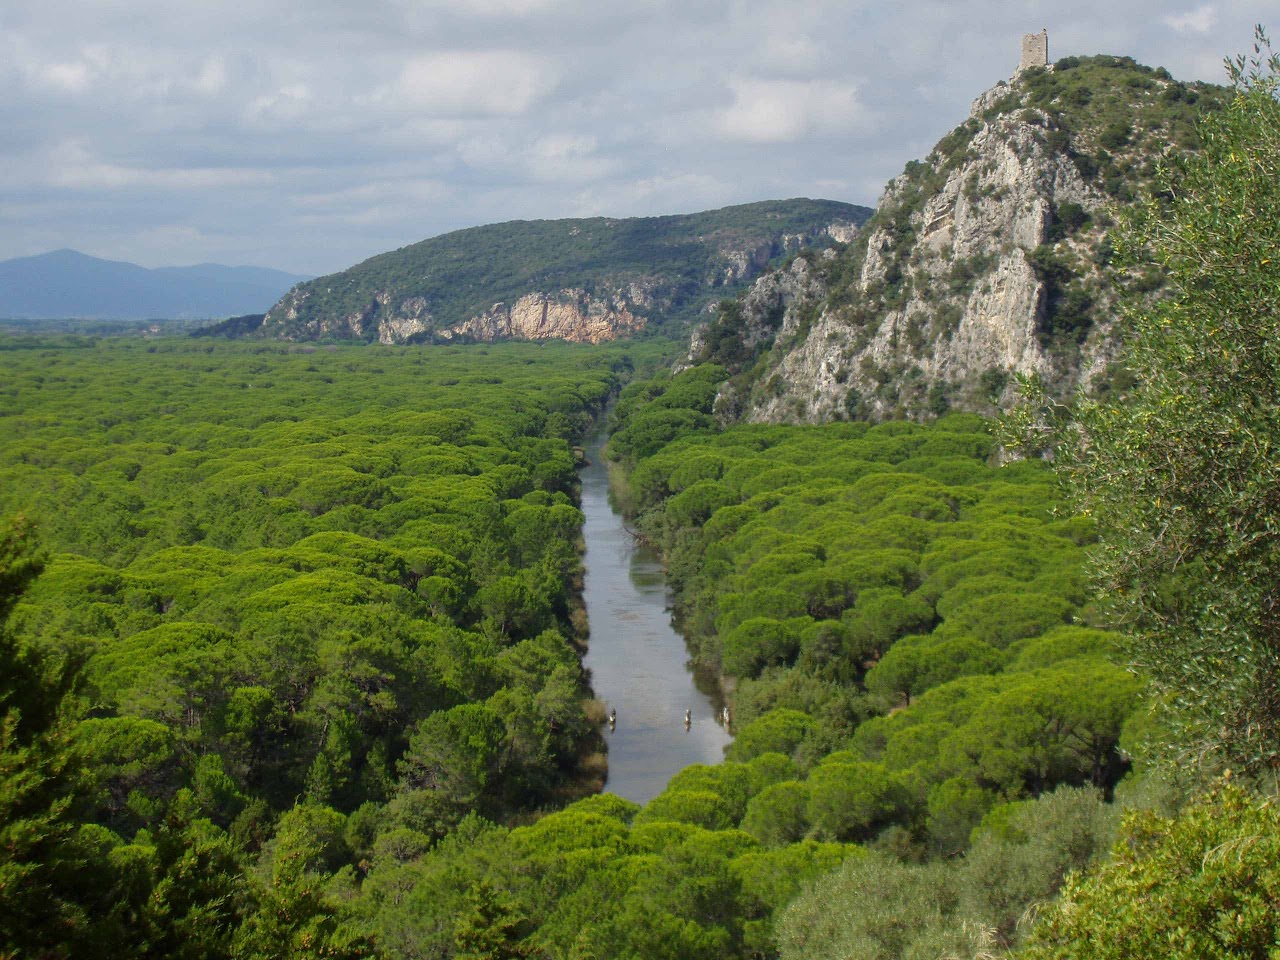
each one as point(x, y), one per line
point(66, 283)
point(587, 279)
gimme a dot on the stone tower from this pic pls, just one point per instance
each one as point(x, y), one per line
point(1035, 50)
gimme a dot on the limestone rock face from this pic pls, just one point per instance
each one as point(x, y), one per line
point(377, 321)
point(575, 314)
point(767, 307)
point(946, 288)
point(568, 315)
point(398, 329)
point(842, 232)
point(740, 264)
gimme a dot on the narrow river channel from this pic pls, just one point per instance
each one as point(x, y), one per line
point(638, 662)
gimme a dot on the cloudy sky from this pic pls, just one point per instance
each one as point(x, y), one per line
point(309, 134)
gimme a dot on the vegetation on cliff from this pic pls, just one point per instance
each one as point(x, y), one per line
point(1174, 468)
point(1182, 477)
point(1178, 474)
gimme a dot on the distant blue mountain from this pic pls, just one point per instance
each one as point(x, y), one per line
point(66, 284)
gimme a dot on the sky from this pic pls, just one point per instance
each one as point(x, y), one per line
point(307, 135)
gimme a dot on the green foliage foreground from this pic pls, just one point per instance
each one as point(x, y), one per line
point(1203, 886)
point(315, 598)
point(1181, 476)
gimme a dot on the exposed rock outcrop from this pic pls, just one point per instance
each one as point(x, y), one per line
point(377, 321)
point(570, 315)
point(987, 259)
point(992, 210)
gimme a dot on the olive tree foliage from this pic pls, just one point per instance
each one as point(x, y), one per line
point(1182, 475)
point(878, 907)
point(1202, 885)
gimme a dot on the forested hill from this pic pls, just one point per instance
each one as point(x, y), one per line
point(988, 257)
point(583, 280)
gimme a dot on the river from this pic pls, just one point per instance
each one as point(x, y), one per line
point(638, 663)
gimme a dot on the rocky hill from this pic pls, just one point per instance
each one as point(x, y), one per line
point(584, 280)
point(989, 257)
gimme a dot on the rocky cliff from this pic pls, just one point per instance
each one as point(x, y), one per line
point(583, 280)
point(571, 315)
point(988, 258)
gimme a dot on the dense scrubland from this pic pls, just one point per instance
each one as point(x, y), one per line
point(907, 628)
point(306, 670)
point(296, 602)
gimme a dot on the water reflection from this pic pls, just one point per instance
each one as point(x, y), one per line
point(638, 663)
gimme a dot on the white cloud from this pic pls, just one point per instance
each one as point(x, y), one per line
point(489, 8)
point(286, 104)
point(568, 158)
point(374, 193)
point(212, 78)
point(415, 133)
point(206, 178)
point(1199, 20)
point(390, 213)
point(71, 77)
point(120, 72)
point(469, 83)
point(71, 165)
point(795, 52)
point(783, 111)
point(673, 193)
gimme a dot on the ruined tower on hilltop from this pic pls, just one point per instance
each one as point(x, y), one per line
point(1035, 50)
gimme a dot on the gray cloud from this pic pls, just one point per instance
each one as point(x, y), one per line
point(309, 134)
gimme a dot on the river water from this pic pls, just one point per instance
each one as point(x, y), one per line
point(638, 663)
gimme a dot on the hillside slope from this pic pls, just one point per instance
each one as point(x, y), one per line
point(584, 280)
point(987, 258)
